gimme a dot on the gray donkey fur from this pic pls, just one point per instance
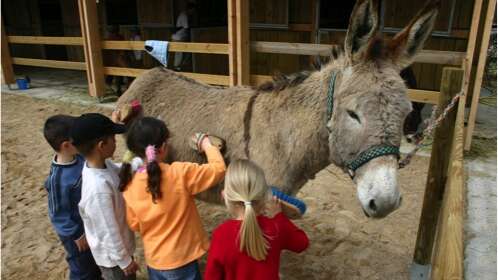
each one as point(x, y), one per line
point(283, 125)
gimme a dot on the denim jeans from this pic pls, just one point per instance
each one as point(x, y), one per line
point(81, 264)
point(189, 271)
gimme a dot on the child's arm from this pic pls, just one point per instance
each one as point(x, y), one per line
point(62, 207)
point(201, 177)
point(101, 211)
point(214, 266)
point(294, 239)
point(132, 219)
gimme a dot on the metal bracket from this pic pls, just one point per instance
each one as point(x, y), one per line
point(420, 272)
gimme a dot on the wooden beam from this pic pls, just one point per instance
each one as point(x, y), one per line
point(135, 72)
point(424, 56)
point(471, 45)
point(416, 95)
point(46, 40)
point(424, 96)
point(7, 69)
point(481, 65)
point(212, 48)
point(301, 27)
point(243, 59)
point(92, 47)
point(232, 42)
point(451, 84)
point(448, 251)
point(72, 65)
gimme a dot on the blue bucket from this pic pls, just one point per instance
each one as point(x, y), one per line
point(23, 83)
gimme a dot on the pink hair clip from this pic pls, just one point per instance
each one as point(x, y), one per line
point(150, 153)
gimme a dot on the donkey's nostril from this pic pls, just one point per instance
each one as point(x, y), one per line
point(372, 205)
point(400, 200)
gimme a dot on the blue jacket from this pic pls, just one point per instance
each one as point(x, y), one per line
point(64, 193)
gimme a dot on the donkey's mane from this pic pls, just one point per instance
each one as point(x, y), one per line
point(281, 81)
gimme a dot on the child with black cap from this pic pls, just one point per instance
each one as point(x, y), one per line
point(102, 206)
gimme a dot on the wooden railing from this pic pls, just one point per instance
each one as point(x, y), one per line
point(423, 96)
point(209, 48)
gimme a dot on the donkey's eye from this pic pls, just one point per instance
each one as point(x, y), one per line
point(354, 115)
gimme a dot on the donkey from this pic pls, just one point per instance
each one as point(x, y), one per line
point(292, 127)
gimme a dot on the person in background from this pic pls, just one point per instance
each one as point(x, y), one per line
point(182, 34)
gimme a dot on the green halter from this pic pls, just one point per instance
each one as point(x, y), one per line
point(368, 154)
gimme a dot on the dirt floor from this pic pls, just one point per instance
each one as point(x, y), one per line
point(344, 243)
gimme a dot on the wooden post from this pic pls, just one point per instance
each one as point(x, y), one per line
point(451, 84)
point(7, 70)
point(448, 255)
point(232, 42)
point(476, 93)
point(243, 48)
point(92, 47)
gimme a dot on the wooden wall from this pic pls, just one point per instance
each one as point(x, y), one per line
point(156, 21)
point(22, 17)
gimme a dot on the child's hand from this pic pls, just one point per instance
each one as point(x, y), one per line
point(131, 268)
point(205, 143)
point(82, 244)
point(273, 207)
point(116, 116)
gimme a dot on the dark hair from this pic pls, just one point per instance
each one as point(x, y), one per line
point(86, 148)
point(142, 133)
point(57, 130)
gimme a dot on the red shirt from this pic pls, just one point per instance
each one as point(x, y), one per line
point(225, 261)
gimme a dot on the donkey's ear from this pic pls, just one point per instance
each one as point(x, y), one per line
point(405, 45)
point(363, 26)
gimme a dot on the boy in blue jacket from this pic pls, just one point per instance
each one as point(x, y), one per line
point(64, 193)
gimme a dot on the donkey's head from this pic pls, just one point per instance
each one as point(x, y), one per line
point(370, 103)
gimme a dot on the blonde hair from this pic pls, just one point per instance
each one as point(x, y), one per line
point(245, 186)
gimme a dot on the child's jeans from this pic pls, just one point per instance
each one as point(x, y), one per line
point(81, 264)
point(189, 271)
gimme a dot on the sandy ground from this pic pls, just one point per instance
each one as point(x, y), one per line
point(344, 243)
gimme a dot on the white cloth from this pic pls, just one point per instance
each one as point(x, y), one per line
point(103, 211)
point(158, 50)
point(182, 34)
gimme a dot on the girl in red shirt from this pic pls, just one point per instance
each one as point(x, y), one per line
point(249, 246)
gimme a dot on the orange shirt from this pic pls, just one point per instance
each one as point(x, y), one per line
point(171, 228)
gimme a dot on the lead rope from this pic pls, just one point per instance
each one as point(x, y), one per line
point(432, 123)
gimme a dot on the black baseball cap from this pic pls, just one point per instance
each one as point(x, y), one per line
point(88, 127)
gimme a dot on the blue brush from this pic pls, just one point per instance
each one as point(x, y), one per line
point(289, 201)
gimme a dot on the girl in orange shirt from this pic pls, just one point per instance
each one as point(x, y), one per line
point(160, 200)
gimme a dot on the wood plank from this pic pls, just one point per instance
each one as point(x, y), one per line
point(135, 72)
point(301, 27)
point(448, 251)
point(481, 65)
point(7, 69)
point(242, 38)
point(451, 84)
point(92, 47)
point(213, 48)
point(46, 40)
point(72, 65)
point(232, 42)
point(471, 44)
point(424, 56)
point(416, 95)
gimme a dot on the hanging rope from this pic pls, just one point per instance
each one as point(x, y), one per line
point(431, 124)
